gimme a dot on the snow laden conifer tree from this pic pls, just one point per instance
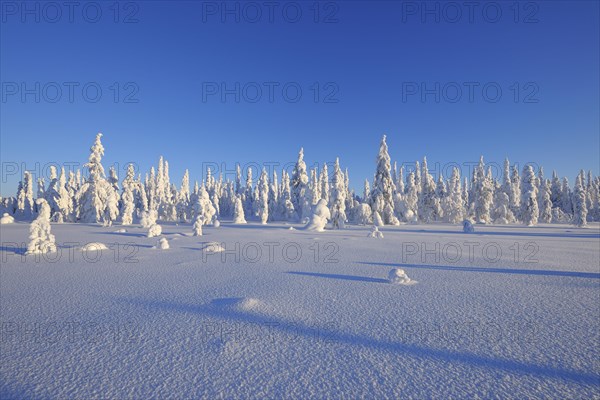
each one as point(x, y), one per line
point(529, 205)
point(382, 193)
point(324, 183)
point(483, 192)
point(248, 194)
point(95, 192)
point(545, 202)
point(286, 206)
point(338, 198)
point(58, 197)
point(429, 205)
point(299, 187)
point(263, 197)
point(183, 203)
point(515, 192)
point(238, 211)
point(127, 198)
point(273, 198)
point(579, 204)
point(198, 217)
point(25, 202)
point(208, 210)
point(453, 202)
point(40, 239)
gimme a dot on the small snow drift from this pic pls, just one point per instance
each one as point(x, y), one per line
point(240, 304)
point(320, 216)
point(397, 276)
point(375, 233)
point(155, 230)
point(163, 244)
point(217, 223)
point(468, 226)
point(121, 231)
point(213, 247)
point(6, 219)
point(94, 246)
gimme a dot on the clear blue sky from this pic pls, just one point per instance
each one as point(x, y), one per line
point(369, 53)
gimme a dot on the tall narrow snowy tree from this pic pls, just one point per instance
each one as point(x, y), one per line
point(263, 197)
point(579, 203)
point(299, 186)
point(25, 197)
point(338, 198)
point(382, 193)
point(529, 204)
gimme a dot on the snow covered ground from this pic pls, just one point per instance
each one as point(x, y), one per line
point(249, 311)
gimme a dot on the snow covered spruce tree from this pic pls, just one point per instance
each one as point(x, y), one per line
point(198, 217)
point(429, 205)
point(127, 199)
point(238, 212)
point(324, 183)
point(96, 194)
point(263, 197)
point(453, 202)
point(286, 207)
point(338, 198)
point(57, 196)
point(299, 187)
point(579, 203)
point(183, 201)
point(483, 192)
point(545, 202)
point(529, 205)
point(25, 202)
point(382, 193)
point(248, 195)
point(273, 198)
point(40, 239)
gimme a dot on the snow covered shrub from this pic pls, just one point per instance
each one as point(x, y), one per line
point(163, 244)
point(468, 226)
point(375, 233)
point(216, 223)
point(40, 238)
point(319, 217)
point(397, 276)
point(6, 219)
point(154, 230)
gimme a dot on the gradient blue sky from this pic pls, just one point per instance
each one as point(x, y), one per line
point(372, 49)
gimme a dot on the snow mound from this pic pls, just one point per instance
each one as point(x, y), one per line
point(468, 226)
point(216, 224)
point(249, 304)
point(94, 246)
point(214, 247)
point(163, 244)
point(375, 233)
point(397, 276)
point(155, 230)
point(291, 228)
point(121, 231)
point(6, 219)
point(240, 304)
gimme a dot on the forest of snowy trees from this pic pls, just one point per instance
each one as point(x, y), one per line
point(394, 196)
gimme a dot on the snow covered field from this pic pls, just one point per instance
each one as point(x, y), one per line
point(249, 311)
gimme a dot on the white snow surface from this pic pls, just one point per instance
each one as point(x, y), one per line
point(192, 323)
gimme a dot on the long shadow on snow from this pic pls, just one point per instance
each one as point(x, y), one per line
point(572, 274)
point(342, 277)
point(219, 308)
